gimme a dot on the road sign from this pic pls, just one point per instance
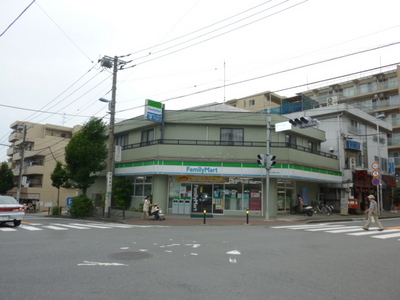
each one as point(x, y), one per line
point(376, 173)
point(376, 181)
point(375, 165)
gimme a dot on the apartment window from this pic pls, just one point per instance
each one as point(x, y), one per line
point(383, 163)
point(252, 102)
point(142, 185)
point(232, 136)
point(356, 127)
point(312, 146)
point(147, 137)
point(121, 140)
point(290, 141)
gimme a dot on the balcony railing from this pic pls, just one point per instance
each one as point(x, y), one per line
point(393, 142)
point(227, 144)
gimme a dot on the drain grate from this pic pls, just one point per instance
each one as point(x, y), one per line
point(130, 255)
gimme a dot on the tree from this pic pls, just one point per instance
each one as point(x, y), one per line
point(122, 192)
point(58, 178)
point(86, 153)
point(6, 178)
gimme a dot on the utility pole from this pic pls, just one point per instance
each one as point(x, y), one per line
point(111, 148)
point(267, 167)
point(21, 164)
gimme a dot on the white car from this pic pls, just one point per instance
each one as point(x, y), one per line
point(11, 210)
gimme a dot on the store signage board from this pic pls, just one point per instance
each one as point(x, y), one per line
point(153, 110)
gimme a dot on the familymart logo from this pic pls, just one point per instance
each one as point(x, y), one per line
point(202, 170)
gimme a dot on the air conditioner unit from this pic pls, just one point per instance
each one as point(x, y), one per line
point(332, 101)
point(352, 163)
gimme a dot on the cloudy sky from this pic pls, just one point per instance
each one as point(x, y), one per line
point(182, 52)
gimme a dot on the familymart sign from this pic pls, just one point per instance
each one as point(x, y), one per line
point(153, 110)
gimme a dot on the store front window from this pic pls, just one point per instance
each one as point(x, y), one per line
point(235, 194)
point(142, 185)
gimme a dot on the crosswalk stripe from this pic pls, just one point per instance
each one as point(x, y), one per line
point(346, 229)
point(296, 227)
point(371, 232)
point(70, 226)
point(92, 226)
point(326, 228)
point(55, 227)
point(387, 236)
point(7, 229)
point(31, 228)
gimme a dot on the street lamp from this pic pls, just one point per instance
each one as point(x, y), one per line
point(379, 186)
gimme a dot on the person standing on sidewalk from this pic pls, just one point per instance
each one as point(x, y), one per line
point(372, 212)
point(300, 203)
point(146, 206)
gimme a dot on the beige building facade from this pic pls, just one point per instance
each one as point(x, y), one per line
point(35, 149)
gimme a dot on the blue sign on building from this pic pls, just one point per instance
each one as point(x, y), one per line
point(353, 145)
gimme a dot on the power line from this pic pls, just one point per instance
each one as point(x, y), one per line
point(213, 37)
point(65, 34)
point(17, 18)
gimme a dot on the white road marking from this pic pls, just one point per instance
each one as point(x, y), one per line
point(55, 227)
point(70, 226)
point(7, 229)
point(386, 236)
point(93, 263)
point(31, 228)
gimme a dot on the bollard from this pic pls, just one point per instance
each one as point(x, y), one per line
point(204, 219)
point(247, 216)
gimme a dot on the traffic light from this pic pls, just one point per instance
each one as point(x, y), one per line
point(271, 161)
point(304, 122)
point(261, 159)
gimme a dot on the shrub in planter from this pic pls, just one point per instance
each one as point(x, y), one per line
point(55, 211)
point(82, 206)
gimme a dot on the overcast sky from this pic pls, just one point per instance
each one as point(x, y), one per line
point(185, 52)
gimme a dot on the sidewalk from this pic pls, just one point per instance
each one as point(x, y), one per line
point(216, 220)
point(284, 218)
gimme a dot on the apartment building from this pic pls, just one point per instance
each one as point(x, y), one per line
point(257, 102)
point(33, 153)
point(375, 93)
point(358, 140)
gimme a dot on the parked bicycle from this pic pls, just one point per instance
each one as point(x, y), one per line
point(323, 208)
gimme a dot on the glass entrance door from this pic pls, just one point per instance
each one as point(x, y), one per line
point(202, 198)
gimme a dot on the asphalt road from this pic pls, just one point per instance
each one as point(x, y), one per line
point(75, 259)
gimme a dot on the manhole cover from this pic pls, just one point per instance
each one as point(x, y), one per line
point(130, 255)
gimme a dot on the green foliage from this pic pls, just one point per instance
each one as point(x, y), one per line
point(55, 211)
point(6, 178)
point(397, 195)
point(86, 153)
point(82, 206)
point(122, 192)
point(58, 178)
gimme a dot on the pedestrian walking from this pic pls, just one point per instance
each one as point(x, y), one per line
point(300, 202)
point(372, 212)
point(146, 206)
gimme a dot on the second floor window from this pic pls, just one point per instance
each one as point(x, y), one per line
point(290, 140)
point(232, 136)
point(121, 140)
point(312, 146)
point(147, 137)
